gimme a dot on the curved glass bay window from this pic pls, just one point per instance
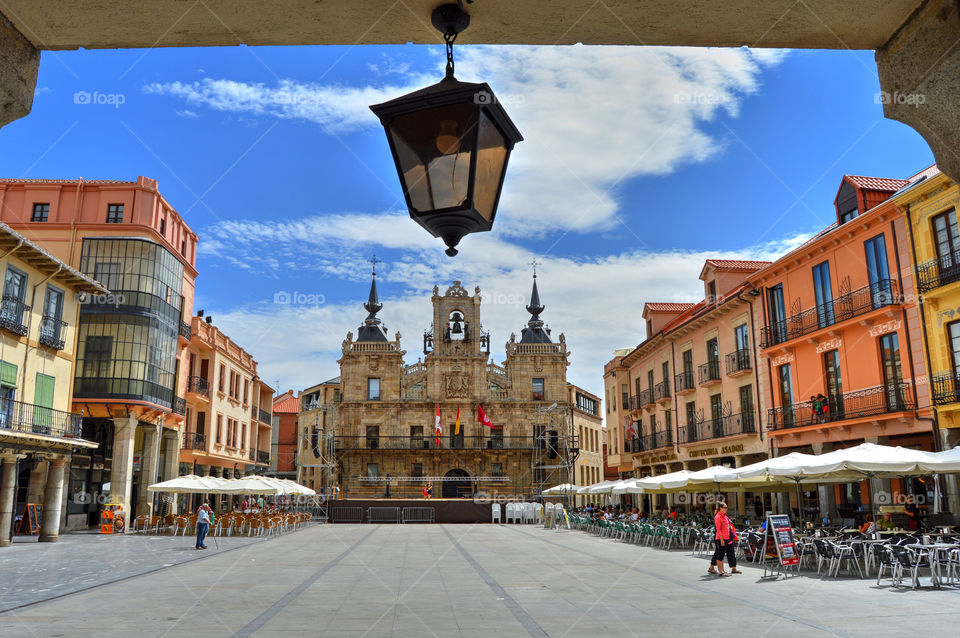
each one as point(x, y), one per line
point(128, 339)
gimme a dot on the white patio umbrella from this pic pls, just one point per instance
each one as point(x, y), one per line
point(559, 490)
point(189, 484)
point(656, 483)
point(627, 486)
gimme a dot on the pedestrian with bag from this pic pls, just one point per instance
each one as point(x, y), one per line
point(725, 543)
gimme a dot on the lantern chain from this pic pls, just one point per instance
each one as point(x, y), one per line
point(449, 38)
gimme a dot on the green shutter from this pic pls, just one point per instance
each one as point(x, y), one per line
point(8, 374)
point(44, 393)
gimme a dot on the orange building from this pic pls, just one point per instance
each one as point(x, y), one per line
point(286, 412)
point(129, 378)
point(841, 355)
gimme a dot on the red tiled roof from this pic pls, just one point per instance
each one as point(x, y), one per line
point(666, 306)
point(737, 264)
point(927, 173)
point(286, 402)
point(877, 183)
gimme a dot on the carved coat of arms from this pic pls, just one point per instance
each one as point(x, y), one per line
point(455, 386)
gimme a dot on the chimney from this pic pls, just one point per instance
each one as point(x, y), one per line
point(199, 313)
point(210, 319)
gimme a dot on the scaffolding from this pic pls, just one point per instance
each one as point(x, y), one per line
point(556, 448)
point(316, 449)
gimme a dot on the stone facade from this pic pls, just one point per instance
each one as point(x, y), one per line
point(382, 421)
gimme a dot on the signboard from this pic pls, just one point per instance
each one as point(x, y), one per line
point(779, 544)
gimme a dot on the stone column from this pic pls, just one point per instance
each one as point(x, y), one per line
point(8, 478)
point(18, 74)
point(121, 473)
point(739, 497)
point(148, 467)
point(38, 476)
point(53, 501)
point(950, 483)
point(171, 462)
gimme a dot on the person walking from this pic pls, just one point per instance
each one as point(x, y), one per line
point(725, 541)
point(203, 524)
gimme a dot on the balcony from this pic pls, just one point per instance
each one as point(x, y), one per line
point(18, 416)
point(661, 391)
point(263, 457)
point(646, 397)
point(851, 405)
point(185, 331)
point(198, 385)
point(883, 293)
point(650, 442)
point(194, 441)
point(179, 405)
point(253, 455)
point(12, 310)
point(738, 363)
point(364, 442)
point(683, 382)
point(52, 332)
point(263, 416)
point(709, 372)
point(731, 425)
point(634, 402)
point(946, 388)
point(938, 272)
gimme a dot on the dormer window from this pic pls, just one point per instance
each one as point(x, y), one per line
point(847, 216)
point(712, 292)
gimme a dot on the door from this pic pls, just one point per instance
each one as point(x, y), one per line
point(716, 415)
point(43, 402)
point(373, 437)
point(947, 240)
point(14, 288)
point(687, 369)
point(824, 294)
point(777, 330)
point(746, 408)
point(741, 337)
point(786, 393)
point(892, 377)
point(834, 382)
point(878, 271)
point(713, 359)
point(457, 484)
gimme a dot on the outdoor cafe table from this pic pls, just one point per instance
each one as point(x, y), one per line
point(867, 554)
point(932, 552)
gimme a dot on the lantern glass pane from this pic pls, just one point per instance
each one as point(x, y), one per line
point(491, 157)
point(433, 148)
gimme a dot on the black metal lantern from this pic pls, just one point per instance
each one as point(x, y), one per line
point(450, 143)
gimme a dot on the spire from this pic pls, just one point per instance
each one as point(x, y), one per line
point(372, 329)
point(535, 332)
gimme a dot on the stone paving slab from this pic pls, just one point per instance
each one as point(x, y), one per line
point(471, 580)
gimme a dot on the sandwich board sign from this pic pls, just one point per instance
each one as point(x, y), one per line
point(779, 545)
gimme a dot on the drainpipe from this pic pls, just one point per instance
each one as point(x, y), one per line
point(756, 359)
point(934, 421)
point(78, 203)
point(33, 298)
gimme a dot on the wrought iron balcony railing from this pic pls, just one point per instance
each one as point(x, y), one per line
point(428, 442)
point(709, 371)
point(35, 419)
point(12, 310)
point(683, 382)
point(194, 441)
point(878, 295)
point(646, 397)
point(263, 457)
point(185, 330)
point(738, 361)
point(179, 405)
point(896, 397)
point(198, 385)
point(946, 388)
point(650, 442)
point(730, 425)
point(661, 391)
point(263, 416)
point(938, 272)
point(52, 332)
point(635, 402)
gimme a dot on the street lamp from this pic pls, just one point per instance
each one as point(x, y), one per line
point(450, 143)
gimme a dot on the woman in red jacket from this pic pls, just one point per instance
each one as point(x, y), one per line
point(725, 541)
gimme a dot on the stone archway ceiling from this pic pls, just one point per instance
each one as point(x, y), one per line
point(827, 24)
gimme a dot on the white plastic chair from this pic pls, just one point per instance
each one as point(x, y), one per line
point(508, 517)
point(495, 513)
point(529, 512)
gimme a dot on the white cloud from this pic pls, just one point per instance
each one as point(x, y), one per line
point(186, 113)
point(592, 117)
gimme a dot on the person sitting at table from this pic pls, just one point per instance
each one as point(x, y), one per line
point(869, 525)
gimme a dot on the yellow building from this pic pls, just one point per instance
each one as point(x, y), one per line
point(930, 206)
point(38, 345)
point(588, 428)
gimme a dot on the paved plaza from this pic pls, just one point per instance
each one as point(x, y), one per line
point(429, 580)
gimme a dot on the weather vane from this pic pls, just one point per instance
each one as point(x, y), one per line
point(375, 261)
point(534, 263)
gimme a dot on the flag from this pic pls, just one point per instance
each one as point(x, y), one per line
point(456, 427)
point(439, 428)
point(631, 427)
point(483, 419)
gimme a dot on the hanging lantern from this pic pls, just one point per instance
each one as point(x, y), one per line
point(450, 143)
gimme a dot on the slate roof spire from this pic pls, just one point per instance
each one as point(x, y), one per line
point(536, 331)
point(372, 329)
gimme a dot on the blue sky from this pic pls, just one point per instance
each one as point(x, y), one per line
point(638, 164)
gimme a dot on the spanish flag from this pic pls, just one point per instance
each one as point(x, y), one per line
point(456, 427)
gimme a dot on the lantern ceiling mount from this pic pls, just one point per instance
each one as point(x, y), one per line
point(450, 144)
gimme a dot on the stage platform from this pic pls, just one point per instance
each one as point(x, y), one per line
point(410, 510)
